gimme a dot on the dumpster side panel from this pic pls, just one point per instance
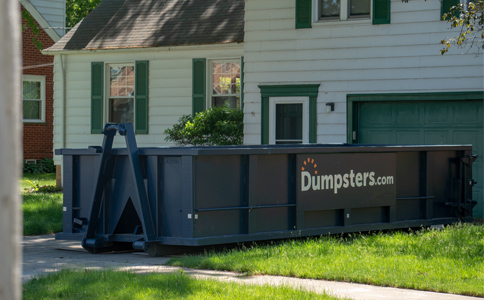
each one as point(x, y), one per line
point(445, 182)
point(170, 188)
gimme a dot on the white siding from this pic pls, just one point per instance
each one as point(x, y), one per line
point(350, 57)
point(170, 91)
point(54, 12)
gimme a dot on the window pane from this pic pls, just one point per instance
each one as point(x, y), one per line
point(227, 101)
point(31, 90)
point(289, 124)
point(226, 78)
point(121, 81)
point(31, 110)
point(330, 8)
point(121, 111)
point(360, 7)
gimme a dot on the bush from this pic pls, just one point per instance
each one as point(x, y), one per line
point(45, 165)
point(213, 127)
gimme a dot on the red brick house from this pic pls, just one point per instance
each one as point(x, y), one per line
point(38, 84)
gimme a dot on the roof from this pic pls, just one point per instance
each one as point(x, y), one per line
point(121, 24)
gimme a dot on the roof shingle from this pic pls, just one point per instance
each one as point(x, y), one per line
point(116, 24)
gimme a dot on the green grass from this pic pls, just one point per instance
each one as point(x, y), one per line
point(450, 260)
point(42, 211)
point(109, 284)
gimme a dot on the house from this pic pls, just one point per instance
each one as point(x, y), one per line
point(310, 71)
point(38, 76)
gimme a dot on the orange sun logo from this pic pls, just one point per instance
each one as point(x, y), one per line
point(307, 163)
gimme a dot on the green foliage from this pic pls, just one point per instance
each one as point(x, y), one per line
point(450, 260)
point(30, 22)
point(213, 127)
point(469, 18)
point(76, 10)
point(45, 165)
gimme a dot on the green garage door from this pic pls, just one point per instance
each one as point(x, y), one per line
point(426, 122)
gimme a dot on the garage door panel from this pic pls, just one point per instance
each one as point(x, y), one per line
point(383, 115)
point(408, 137)
point(408, 114)
point(436, 113)
point(432, 137)
point(469, 113)
point(379, 137)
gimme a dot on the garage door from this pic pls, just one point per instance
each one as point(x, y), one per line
point(427, 122)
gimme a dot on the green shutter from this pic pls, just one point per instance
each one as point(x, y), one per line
point(446, 6)
point(198, 85)
point(242, 83)
point(303, 13)
point(97, 92)
point(381, 12)
point(141, 96)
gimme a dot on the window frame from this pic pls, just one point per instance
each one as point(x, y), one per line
point(209, 81)
point(107, 89)
point(273, 101)
point(344, 14)
point(42, 80)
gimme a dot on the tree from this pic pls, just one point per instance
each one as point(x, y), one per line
point(216, 126)
point(470, 19)
point(76, 10)
point(10, 151)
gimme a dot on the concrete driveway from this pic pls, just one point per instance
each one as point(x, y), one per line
point(43, 254)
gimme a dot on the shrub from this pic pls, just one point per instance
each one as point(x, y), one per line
point(213, 127)
point(45, 165)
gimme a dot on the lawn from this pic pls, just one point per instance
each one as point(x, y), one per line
point(449, 260)
point(42, 204)
point(108, 284)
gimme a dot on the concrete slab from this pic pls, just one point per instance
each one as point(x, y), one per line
point(43, 254)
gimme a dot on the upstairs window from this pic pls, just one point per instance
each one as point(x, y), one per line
point(33, 96)
point(344, 9)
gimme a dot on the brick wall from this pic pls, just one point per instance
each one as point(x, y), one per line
point(38, 137)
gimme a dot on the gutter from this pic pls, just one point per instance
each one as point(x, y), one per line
point(232, 45)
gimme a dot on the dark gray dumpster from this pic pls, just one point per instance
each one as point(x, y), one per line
point(157, 198)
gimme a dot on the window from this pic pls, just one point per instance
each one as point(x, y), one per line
point(344, 9)
point(289, 120)
point(224, 83)
point(120, 94)
point(33, 94)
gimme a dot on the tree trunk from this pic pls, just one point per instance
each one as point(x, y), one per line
point(10, 151)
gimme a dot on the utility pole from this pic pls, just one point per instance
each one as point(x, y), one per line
point(10, 151)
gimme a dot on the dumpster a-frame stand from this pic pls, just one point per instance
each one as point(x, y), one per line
point(95, 242)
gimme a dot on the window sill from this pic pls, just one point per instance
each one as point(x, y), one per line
point(349, 22)
point(33, 122)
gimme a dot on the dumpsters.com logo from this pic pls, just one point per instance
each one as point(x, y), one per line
point(335, 182)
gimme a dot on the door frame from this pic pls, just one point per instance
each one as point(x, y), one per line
point(293, 90)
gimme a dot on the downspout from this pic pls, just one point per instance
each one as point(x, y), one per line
point(64, 110)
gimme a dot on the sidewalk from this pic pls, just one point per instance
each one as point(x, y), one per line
point(43, 254)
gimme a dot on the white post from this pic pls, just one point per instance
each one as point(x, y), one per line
point(10, 151)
